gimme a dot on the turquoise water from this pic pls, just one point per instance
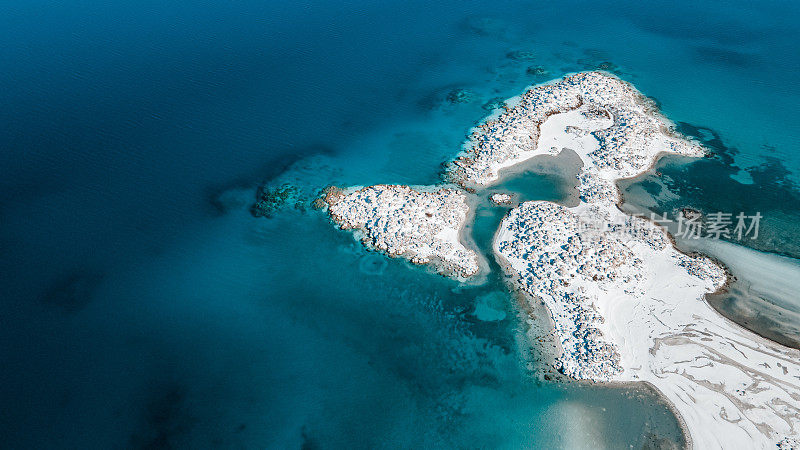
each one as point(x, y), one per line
point(142, 311)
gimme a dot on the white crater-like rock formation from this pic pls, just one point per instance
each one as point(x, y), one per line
point(421, 225)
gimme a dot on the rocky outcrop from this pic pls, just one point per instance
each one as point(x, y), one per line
point(422, 226)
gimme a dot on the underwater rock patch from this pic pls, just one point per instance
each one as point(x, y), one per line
point(231, 198)
point(460, 95)
point(536, 71)
point(494, 103)
point(297, 188)
point(272, 199)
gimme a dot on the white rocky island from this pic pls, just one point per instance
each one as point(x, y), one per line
point(421, 225)
point(627, 306)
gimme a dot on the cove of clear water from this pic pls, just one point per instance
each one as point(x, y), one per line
point(138, 313)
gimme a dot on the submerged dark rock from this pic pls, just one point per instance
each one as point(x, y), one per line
point(271, 199)
point(536, 71)
point(607, 65)
point(589, 64)
point(447, 96)
point(296, 188)
point(596, 59)
point(460, 95)
point(493, 103)
point(308, 442)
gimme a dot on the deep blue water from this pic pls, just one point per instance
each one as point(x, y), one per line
point(136, 314)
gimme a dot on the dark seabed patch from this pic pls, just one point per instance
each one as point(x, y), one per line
point(678, 23)
point(724, 57)
point(308, 442)
point(164, 419)
point(238, 194)
point(72, 292)
point(597, 59)
point(453, 94)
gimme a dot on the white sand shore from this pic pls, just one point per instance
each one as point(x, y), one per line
point(625, 304)
point(420, 225)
